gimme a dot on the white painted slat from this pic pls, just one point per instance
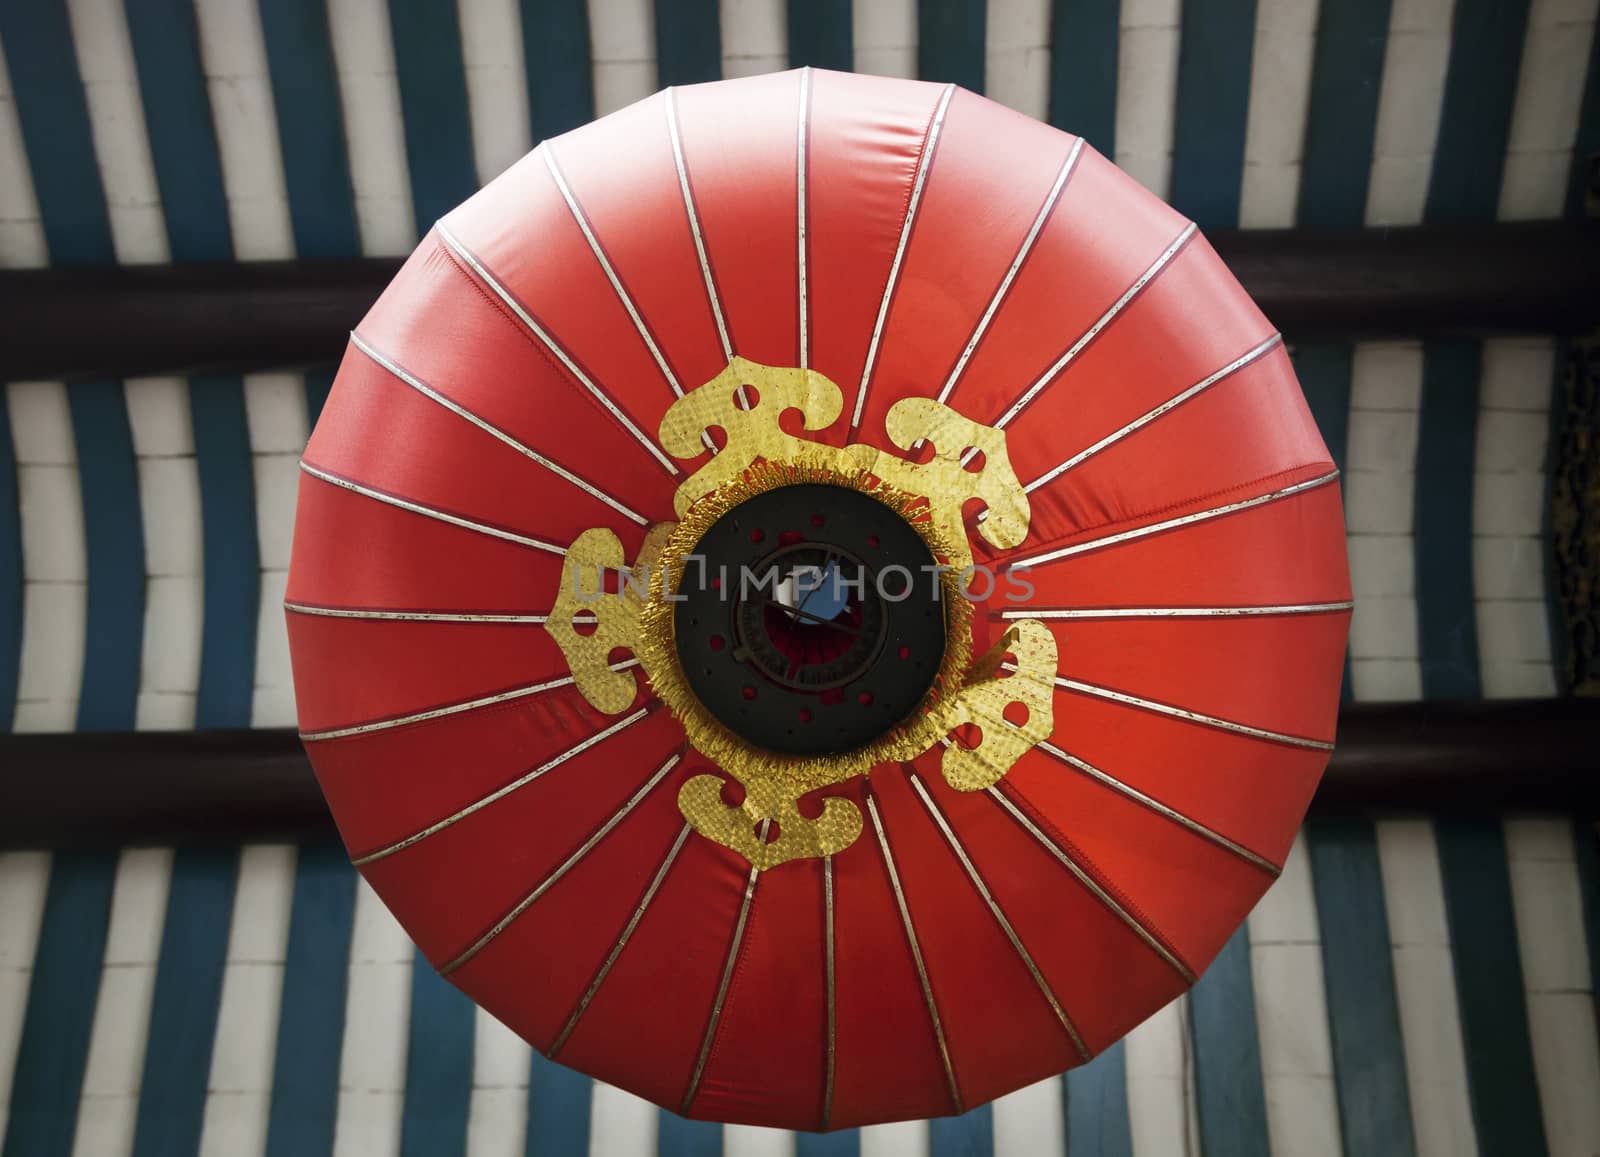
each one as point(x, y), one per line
point(1548, 903)
point(1425, 987)
point(1544, 119)
point(1275, 132)
point(110, 1097)
point(24, 881)
point(903, 1139)
point(1292, 1016)
point(369, 94)
point(54, 559)
point(497, 1122)
point(275, 405)
point(884, 37)
point(497, 84)
point(116, 118)
point(1158, 1067)
point(1016, 68)
point(1410, 101)
point(1030, 1121)
point(22, 244)
point(755, 37)
point(623, 1125)
point(372, 1063)
point(1147, 91)
point(1379, 492)
point(622, 45)
point(753, 1141)
point(233, 56)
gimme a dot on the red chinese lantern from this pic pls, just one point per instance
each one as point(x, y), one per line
point(817, 600)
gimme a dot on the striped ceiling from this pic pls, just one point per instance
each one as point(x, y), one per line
point(1406, 987)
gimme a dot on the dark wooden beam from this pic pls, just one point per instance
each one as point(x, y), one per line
point(1427, 281)
point(106, 790)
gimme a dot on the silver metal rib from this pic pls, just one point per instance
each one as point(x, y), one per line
point(408, 616)
point(450, 709)
point(1188, 716)
point(802, 140)
point(494, 431)
point(923, 162)
point(552, 345)
point(622, 942)
point(827, 897)
point(694, 223)
point(566, 866)
point(500, 793)
point(1093, 331)
point(1162, 809)
point(1171, 523)
point(1000, 917)
point(916, 954)
point(432, 512)
point(1045, 210)
point(1143, 420)
point(1177, 612)
point(727, 977)
point(621, 291)
point(1094, 887)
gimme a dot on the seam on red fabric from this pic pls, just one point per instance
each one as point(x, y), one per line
point(1095, 872)
point(740, 952)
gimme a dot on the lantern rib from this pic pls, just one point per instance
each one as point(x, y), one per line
point(1000, 917)
point(492, 430)
point(599, 252)
point(1023, 250)
point(670, 98)
point(727, 978)
point(924, 162)
point(408, 616)
point(1171, 523)
point(481, 272)
point(1188, 716)
point(802, 142)
point(916, 955)
point(1263, 611)
point(1162, 809)
point(622, 942)
point(500, 793)
point(1111, 439)
point(1106, 898)
point(832, 1053)
point(566, 866)
point(431, 511)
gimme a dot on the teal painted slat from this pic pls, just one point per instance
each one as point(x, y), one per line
point(305, 1073)
point(10, 573)
point(821, 34)
point(433, 1122)
point(1480, 89)
point(1214, 55)
point(55, 132)
point(1363, 1012)
point(555, 50)
point(844, 1143)
point(183, 1007)
point(559, 1104)
point(969, 1135)
point(680, 1137)
point(1097, 1107)
point(688, 41)
point(1229, 1092)
point(951, 40)
point(1585, 173)
point(59, 1014)
point(1084, 39)
point(114, 537)
point(305, 95)
point(1324, 371)
point(1342, 114)
point(1489, 987)
point(1447, 624)
point(433, 104)
point(318, 385)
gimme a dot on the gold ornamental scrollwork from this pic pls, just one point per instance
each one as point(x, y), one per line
point(987, 713)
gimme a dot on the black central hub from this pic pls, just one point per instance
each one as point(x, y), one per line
point(811, 619)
